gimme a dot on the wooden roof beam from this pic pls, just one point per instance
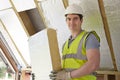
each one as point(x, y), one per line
point(65, 3)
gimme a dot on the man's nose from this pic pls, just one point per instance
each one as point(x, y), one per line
point(71, 21)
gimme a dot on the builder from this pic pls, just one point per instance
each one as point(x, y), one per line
point(80, 55)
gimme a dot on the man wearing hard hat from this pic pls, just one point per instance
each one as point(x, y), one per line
point(80, 55)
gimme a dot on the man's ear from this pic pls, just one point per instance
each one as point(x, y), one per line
point(81, 20)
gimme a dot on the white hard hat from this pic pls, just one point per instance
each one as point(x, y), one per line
point(73, 9)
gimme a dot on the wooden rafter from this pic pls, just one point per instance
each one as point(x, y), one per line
point(40, 12)
point(17, 14)
point(107, 32)
point(65, 3)
point(27, 22)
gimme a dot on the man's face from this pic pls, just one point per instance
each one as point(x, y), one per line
point(74, 23)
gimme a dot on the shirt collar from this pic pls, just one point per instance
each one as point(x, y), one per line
point(72, 38)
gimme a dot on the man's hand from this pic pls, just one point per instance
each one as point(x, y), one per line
point(61, 75)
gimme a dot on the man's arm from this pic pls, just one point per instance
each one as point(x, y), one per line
point(93, 56)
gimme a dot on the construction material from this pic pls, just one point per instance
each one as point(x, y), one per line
point(27, 22)
point(54, 50)
point(44, 53)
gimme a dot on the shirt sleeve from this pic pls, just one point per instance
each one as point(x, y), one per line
point(92, 42)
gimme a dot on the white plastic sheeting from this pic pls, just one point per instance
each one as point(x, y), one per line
point(22, 5)
point(4, 4)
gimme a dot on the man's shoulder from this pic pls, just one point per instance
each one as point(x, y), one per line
point(92, 35)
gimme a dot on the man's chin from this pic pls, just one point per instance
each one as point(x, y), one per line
point(72, 31)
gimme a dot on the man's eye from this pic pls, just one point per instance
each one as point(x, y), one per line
point(68, 19)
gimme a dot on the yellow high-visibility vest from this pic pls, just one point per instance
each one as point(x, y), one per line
point(74, 57)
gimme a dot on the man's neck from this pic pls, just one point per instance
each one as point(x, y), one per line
point(74, 34)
